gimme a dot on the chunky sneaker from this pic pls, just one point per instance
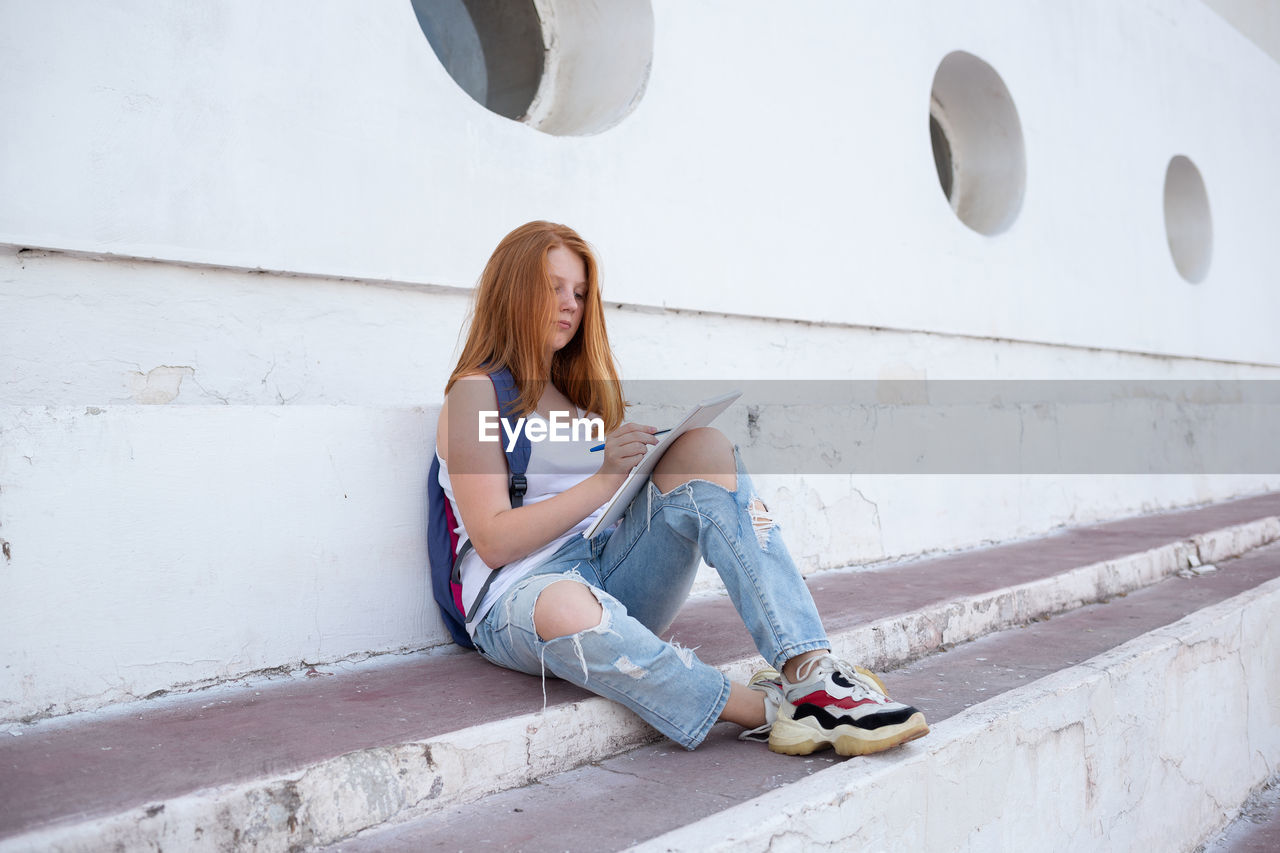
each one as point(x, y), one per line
point(843, 706)
point(768, 682)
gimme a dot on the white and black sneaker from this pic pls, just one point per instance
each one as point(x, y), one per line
point(846, 707)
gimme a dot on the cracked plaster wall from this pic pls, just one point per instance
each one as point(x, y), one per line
point(271, 511)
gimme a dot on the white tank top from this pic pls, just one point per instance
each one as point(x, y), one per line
point(554, 466)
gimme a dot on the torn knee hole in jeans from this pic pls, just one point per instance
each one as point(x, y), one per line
point(686, 488)
point(761, 522)
point(603, 627)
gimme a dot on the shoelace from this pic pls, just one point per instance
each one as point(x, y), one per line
point(827, 664)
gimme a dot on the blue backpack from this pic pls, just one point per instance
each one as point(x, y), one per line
point(442, 540)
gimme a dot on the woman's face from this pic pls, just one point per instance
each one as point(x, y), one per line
point(569, 282)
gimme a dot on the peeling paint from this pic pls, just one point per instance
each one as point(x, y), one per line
point(159, 385)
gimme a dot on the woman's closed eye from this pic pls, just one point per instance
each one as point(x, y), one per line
point(560, 289)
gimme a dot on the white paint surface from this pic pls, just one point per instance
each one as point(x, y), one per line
point(229, 135)
point(155, 546)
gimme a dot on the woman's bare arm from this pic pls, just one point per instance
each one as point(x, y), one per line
point(478, 472)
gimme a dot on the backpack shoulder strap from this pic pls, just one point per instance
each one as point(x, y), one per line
point(518, 456)
point(517, 464)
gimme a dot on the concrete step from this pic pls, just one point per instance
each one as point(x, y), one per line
point(1257, 829)
point(1010, 764)
point(317, 758)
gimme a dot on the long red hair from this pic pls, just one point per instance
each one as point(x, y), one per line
point(512, 319)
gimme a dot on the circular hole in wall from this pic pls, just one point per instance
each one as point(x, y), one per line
point(493, 50)
point(561, 66)
point(977, 143)
point(1187, 223)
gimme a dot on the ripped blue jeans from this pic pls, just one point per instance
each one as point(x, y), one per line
point(642, 572)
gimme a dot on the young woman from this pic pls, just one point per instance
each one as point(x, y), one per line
point(591, 610)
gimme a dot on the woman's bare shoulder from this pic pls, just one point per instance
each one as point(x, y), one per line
point(473, 386)
point(471, 394)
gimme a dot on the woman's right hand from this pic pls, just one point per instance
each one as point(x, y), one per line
point(625, 447)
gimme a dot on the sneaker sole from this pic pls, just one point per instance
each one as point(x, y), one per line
point(791, 738)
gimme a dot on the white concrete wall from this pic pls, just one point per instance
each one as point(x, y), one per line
point(206, 471)
point(326, 138)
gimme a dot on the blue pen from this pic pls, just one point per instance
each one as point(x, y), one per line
point(601, 446)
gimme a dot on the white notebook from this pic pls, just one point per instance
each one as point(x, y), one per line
point(701, 415)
